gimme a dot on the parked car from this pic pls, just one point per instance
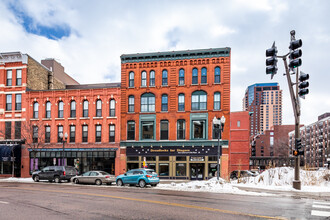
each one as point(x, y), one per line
point(55, 173)
point(141, 177)
point(242, 173)
point(94, 177)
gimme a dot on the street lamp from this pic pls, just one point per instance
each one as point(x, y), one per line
point(221, 123)
point(63, 141)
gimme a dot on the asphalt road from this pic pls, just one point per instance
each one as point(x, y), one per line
point(45, 200)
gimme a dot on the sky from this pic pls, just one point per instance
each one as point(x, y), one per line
point(88, 37)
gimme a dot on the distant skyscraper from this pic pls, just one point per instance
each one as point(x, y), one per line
point(264, 100)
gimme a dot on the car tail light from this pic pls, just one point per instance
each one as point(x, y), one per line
point(63, 173)
point(157, 175)
point(149, 176)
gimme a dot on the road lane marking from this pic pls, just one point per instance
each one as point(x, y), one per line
point(322, 203)
point(2, 202)
point(320, 213)
point(321, 206)
point(161, 203)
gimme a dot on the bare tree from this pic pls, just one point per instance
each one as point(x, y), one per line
point(282, 150)
point(34, 134)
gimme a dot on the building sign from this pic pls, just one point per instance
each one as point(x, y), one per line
point(171, 151)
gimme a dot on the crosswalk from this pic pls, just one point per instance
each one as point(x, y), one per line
point(321, 209)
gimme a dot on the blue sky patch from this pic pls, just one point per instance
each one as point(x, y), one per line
point(31, 26)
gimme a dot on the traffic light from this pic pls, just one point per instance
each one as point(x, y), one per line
point(271, 61)
point(295, 53)
point(299, 150)
point(303, 84)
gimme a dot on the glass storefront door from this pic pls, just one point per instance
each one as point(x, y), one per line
point(196, 171)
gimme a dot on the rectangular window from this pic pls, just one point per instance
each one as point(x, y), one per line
point(84, 133)
point(8, 130)
point(199, 129)
point(163, 169)
point(47, 134)
point(59, 134)
point(152, 78)
point(131, 130)
point(73, 109)
point(181, 102)
point(98, 133)
point(18, 77)
point(35, 134)
point(164, 78)
point(18, 102)
point(215, 131)
point(9, 77)
point(147, 129)
point(164, 130)
point(238, 124)
point(181, 130)
point(18, 130)
point(217, 101)
point(111, 133)
point(112, 108)
point(72, 134)
point(8, 102)
point(181, 169)
point(131, 104)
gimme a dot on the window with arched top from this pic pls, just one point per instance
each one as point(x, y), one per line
point(195, 76)
point(85, 108)
point(164, 102)
point(143, 78)
point(131, 80)
point(73, 109)
point(112, 108)
point(99, 108)
point(164, 78)
point(35, 110)
point(181, 102)
point(204, 75)
point(199, 100)
point(148, 102)
point(152, 78)
point(181, 77)
point(48, 109)
point(217, 72)
point(60, 109)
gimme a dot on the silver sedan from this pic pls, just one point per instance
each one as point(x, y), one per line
point(94, 177)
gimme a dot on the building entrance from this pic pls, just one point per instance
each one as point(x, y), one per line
point(196, 171)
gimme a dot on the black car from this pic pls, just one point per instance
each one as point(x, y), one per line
point(55, 173)
point(242, 173)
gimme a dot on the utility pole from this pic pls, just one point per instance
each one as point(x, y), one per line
point(300, 91)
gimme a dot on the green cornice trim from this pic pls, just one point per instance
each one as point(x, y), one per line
point(224, 143)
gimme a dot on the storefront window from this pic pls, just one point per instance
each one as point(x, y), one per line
point(132, 158)
point(163, 158)
point(196, 158)
point(212, 170)
point(150, 166)
point(151, 158)
point(163, 169)
point(131, 166)
point(181, 158)
point(180, 169)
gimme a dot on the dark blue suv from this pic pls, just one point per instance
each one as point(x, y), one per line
point(141, 177)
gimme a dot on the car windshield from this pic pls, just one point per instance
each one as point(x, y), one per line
point(104, 173)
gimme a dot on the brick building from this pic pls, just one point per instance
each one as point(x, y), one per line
point(168, 101)
point(239, 141)
point(41, 102)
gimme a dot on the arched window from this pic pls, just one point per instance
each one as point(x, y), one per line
point(60, 109)
point(152, 78)
point(131, 130)
point(164, 102)
point(59, 133)
point(99, 108)
point(73, 109)
point(204, 75)
point(181, 129)
point(181, 102)
point(217, 74)
point(112, 108)
point(131, 79)
point(85, 108)
point(35, 110)
point(98, 133)
point(217, 101)
point(195, 76)
point(198, 100)
point(131, 103)
point(148, 102)
point(48, 109)
point(144, 78)
point(164, 78)
point(181, 77)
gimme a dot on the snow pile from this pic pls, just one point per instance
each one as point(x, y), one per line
point(211, 185)
point(17, 180)
point(284, 176)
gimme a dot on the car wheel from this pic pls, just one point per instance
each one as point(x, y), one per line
point(153, 185)
point(98, 182)
point(120, 183)
point(57, 179)
point(76, 181)
point(36, 178)
point(142, 183)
